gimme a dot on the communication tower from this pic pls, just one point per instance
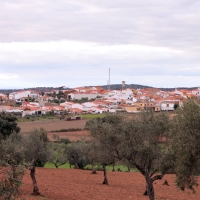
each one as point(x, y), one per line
point(123, 85)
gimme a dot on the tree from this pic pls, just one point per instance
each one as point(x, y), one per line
point(91, 154)
point(75, 155)
point(10, 157)
point(184, 141)
point(137, 141)
point(106, 134)
point(11, 170)
point(8, 125)
point(56, 154)
point(144, 148)
point(35, 149)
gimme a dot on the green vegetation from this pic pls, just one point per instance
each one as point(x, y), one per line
point(29, 118)
point(68, 130)
point(43, 117)
point(148, 142)
point(8, 125)
point(92, 116)
point(121, 168)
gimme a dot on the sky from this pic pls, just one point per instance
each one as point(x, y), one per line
point(74, 43)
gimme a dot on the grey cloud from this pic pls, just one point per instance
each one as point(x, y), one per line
point(159, 23)
point(172, 25)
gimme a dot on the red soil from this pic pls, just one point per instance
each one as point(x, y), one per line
point(71, 184)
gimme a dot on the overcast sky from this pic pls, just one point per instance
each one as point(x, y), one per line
point(74, 43)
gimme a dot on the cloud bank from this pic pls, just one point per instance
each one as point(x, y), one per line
point(74, 43)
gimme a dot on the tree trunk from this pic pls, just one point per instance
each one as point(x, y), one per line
point(145, 193)
point(32, 174)
point(105, 175)
point(150, 189)
point(93, 169)
point(76, 165)
point(113, 169)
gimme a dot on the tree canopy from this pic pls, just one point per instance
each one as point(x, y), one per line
point(8, 125)
point(185, 143)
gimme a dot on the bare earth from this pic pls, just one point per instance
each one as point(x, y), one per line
point(51, 125)
point(72, 184)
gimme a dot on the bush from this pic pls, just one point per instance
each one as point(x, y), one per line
point(40, 163)
point(65, 140)
point(82, 163)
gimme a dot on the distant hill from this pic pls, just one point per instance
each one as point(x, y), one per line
point(136, 86)
point(37, 89)
point(112, 87)
point(119, 86)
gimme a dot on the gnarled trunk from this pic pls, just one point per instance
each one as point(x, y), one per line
point(32, 174)
point(150, 189)
point(105, 181)
point(149, 185)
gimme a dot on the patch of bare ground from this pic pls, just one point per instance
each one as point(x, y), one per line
point(50, 125)
point(72, 184)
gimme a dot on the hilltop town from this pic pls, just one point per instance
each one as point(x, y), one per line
point(93, 100)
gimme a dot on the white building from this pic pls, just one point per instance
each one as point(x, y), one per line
point(168, 105)
point(23, 94)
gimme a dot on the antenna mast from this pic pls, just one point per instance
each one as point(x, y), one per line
point(109, 80)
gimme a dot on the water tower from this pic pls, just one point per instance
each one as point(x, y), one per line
point(123, 85)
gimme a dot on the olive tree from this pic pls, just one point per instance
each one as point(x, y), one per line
point(57, 154)
point(11, 168)
point(35, 149)
point(75, 154)
point(185, 143)
point(106, 134)
point(8, 125)
point(10, 157)
point(145, 147)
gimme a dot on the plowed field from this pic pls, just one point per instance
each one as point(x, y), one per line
point(71, 184)
point(56, 124)
point(51, 125)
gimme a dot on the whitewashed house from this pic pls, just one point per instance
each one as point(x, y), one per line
point(168, 105)
point(23, 94)
point(81, 95)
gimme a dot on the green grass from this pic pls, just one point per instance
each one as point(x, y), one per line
point(51, 165)
point(68, 130)
point(110, 168)
point(35, 118)
point(44, 118)
point(92, 116)
point(88, 167)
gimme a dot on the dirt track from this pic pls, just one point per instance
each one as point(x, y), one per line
point(71, 184)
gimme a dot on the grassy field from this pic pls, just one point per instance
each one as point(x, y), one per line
point(92, 116)
point(88, 167)
point(47, 117)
